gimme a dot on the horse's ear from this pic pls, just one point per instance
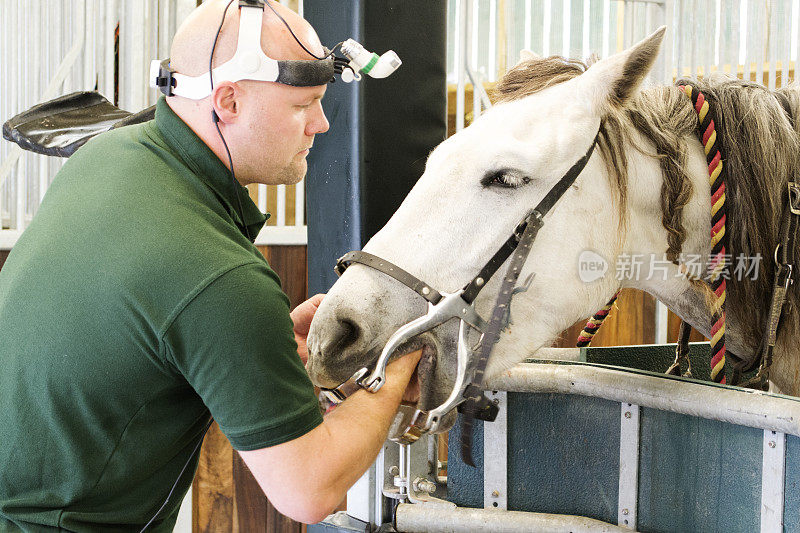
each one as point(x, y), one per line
point(612, 81)
point(527, 55)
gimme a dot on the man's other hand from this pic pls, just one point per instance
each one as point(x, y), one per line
point(301, 317)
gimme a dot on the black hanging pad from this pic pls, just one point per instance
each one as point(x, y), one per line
point(61, 126)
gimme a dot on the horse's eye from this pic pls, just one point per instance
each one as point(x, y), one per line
point(510, 179)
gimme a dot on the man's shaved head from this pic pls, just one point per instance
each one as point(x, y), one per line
point(268, 127)
point(192, 43)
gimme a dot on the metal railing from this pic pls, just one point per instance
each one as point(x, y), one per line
point(753, 39)
point(53, 47)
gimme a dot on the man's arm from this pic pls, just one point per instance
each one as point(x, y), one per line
point(306, 478)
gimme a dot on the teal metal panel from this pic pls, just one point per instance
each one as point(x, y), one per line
point(694, 474)
point(563, 457)
point(464, 483)
point(791, 508)
point(698, 475)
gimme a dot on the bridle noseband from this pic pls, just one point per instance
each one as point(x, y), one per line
point(443, 307)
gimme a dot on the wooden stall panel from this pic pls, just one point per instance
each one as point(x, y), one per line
point(212, 490)
point(631, 321)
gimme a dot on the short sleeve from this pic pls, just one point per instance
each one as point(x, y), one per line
point(234, 344)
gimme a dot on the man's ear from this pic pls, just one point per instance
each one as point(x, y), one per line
point(610, 82)
point(225, 101)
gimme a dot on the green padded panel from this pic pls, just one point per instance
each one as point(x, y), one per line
point(576, 444)
point(791, 506)
point(654, 358)
point(698, 475)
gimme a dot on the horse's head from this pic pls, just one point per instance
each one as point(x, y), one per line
point(477, 186)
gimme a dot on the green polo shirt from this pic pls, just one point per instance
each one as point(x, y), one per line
point(131, 308)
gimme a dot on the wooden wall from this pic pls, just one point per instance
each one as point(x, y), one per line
point(631, 321)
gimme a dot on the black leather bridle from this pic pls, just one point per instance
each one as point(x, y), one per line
point(442, 307)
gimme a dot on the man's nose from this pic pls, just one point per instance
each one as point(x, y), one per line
point(319, 123)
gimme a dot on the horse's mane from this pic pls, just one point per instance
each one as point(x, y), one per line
point(761, 151)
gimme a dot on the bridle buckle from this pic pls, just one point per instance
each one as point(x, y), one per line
point(794, 197)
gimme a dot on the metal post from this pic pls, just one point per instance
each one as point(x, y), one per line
point(773, 476)
point(461, 61)
point(495, 455)
point(628, 466)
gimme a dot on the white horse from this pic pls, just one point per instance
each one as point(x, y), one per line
point(643, 193)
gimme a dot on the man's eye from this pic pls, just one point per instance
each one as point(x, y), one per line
point(509, 179)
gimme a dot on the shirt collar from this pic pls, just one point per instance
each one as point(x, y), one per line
point(208, 167)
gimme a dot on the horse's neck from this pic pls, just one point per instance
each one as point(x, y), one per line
point(646, 234)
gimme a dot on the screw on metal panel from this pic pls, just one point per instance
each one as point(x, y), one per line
point(627, 414)
point(424, 485)
point(393, 470)
point(625, 512)
point(495, 494)
point(772, 444)
point(426, 291)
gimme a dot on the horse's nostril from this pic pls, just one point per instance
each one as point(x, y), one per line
point(349, 332)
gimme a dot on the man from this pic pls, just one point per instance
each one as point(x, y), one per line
point(134, 305)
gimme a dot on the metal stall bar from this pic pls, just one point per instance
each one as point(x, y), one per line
point(413, 518)
point(109, 27)
point(23, 65)
point(743, 407)
point(734, 37)
point(491, 67)
point(548, 16)
point(760, 20)
point(711, 37)
point(786, 48)
point(471, 63)
point(606, 27)
point(281, 205)
point(743, 35)
point(262, 197)
point(772, 38)
point(565, 28)
point(299, 204)
point(586, 37)
point(793, 41)
point(461, 61)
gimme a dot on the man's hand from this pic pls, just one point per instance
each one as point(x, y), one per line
point(301, 317)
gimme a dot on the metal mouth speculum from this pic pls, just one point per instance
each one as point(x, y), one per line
point(450, 306)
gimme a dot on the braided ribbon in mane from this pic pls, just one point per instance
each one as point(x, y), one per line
point(711, 147)
point(594, 323)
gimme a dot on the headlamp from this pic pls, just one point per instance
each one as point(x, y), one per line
point(251, 63)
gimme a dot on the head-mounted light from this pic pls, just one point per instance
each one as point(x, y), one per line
point(251, 63)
